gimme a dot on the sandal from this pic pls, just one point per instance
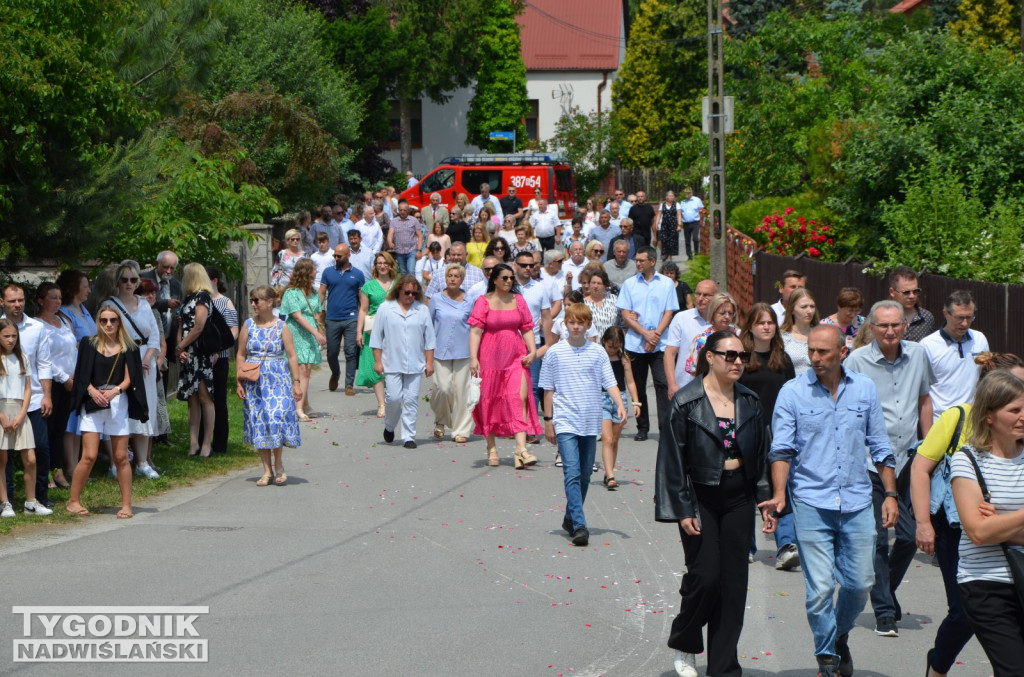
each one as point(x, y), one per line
point(125, 514)
point(524, 458)
point(492, 457)
point(79, 511)
point(558, 460)
point(265, 480)
point(460, 439)
point(281, 478)
point(439, 431)
point(380, 411)
point(610, 483)
point(303, 418)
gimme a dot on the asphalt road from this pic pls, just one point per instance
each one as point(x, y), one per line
point(378, 560)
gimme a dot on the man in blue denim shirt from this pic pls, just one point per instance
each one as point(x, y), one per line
point(823, 421)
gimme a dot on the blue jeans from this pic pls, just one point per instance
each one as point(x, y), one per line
point(335, 330)
point(835, 547)
point(406, 263)
point(890, 565)
point(577, 459)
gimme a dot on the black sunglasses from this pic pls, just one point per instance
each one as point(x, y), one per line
point(133, 280)
point(732, 355)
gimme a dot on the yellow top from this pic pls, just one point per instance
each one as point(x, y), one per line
point(475, 252)
point(936, 442)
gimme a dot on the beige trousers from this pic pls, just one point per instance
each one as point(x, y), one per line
point(451, 388)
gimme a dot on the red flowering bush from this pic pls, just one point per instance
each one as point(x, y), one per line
point(788, 236)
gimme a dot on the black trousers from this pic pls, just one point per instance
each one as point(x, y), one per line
point(691, 236)
point(547, 243)
point(714, 589)
point(655, 362)
point(998, 622)
point(219, 443)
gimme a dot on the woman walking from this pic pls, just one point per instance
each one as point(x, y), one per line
point(992, 519)
point(801, 316)
point(667, 226)
point(501, 350)
point(195, 384)
point(403, 353)
point(613, 341)
point(449, 312)
point(140, 324)
point(601, 303)
point(287, 258)
point(301, 305)
point(371, 295)
point(722, 311)
point(705, 482)
point(108, 393)
point(269, 400)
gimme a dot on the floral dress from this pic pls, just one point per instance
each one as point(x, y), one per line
point(270, 417)
point(285, 266)
point(306, 348)
point(197, 368)
point(376, 293)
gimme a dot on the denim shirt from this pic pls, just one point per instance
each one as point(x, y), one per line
point(824, 440)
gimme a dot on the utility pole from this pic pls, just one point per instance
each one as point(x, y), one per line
point(715, 120)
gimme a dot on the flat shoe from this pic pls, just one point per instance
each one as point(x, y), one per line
point(264, 481)
point(460, 439)
point(80, 511)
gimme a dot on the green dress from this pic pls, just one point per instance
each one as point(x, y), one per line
point(366, 376)
point(306, 348)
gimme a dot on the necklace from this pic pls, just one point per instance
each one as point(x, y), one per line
point(723, 400)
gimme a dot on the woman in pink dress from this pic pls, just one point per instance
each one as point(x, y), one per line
point(501, 350)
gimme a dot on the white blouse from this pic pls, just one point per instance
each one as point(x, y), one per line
point(12, 384)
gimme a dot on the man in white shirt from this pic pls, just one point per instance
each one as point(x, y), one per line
point(546, 225)
point(791, 279)
point(410, 179)
point(685, 325)
point(572, 268)
point(553, 274)
point(690, 207)
point(369, 230)
point(951, 351)
point(35, 348)
point(616, 213)
point(323, 257)
point(485, 197)
point(555, 289)
point(480, 288)
point(360, 257)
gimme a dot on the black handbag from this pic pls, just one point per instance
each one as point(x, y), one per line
point(1014, 558)
point(90, 404)
point(216, 336)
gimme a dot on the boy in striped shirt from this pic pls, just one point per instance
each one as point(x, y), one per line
point(570, 377)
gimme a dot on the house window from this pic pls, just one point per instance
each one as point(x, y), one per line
point(394, 140)
point(531, 120)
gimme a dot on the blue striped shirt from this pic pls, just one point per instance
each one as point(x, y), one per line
point(577, 376)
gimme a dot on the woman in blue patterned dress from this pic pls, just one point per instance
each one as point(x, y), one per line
point(270, 418)
point(301, 305)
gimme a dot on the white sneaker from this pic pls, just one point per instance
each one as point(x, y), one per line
point(146, 470)
point(686, 664)
point(112, 472)
point(36, 508)
point(6, 509)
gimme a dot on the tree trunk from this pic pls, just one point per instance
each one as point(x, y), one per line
point(405, 132)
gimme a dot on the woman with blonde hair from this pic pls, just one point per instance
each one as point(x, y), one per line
point(287, 258)
point(143, 330)
point(196, 381)
point(722, 312)
point(801, 316)
point(477, 247)
point(371, 295)
point(108, 391)
point(449, 311)
point(300, 304)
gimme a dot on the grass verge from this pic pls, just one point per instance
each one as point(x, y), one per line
point(103, 497)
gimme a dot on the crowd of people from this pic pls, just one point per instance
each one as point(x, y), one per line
point(833, 427)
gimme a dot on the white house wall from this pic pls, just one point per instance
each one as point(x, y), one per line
point(444, 125)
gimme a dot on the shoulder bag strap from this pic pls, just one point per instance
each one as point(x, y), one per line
point(981, 479)
point(954, 442)
point(124, 311)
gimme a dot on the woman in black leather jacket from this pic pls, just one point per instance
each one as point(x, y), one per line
point(710, 476)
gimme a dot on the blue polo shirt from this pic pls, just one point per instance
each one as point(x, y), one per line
point(650, 300)
point(342, 292)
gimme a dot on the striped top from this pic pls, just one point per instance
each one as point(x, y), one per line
point(1005, 480)
point(577, 377)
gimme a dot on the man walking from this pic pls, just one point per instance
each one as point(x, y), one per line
point(690, 207)
point(339, 294)
point(902, 376)
point(546, 225)
point(642, 215)
point(485, 197)
point(648, 301)
point(433, 213)
point(603, 232)
point(823, 420)
point(905, 290)
point(952, 350)
point(685, 325)
point(791, 280)
point(405, 238)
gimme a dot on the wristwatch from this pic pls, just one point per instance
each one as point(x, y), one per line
point(549, 418)
point(892, 494)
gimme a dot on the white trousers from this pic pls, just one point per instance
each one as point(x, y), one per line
point(401, 399)
point(451, 390)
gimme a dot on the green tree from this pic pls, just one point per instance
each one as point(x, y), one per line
point(499, 100)
point(588, 142)
point(657, 94)
point(61, 109)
